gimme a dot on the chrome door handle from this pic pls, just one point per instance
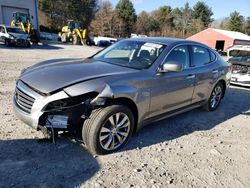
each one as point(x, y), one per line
point(190, 76)
point(215, 71)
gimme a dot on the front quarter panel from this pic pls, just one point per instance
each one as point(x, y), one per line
point(134, 89)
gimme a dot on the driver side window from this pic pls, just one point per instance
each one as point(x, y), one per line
point(180, 55)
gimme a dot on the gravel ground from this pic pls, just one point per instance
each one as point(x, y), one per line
point(194, 149)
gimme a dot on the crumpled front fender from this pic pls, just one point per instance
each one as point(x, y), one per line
point(103, 89)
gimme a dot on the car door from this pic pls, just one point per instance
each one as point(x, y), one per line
point(206, 72)
point(173, 90)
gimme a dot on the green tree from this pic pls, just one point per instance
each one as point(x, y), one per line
point(163, 19)
point(59, 11)
point(224, 23)
point(103, 22)
point(56, 13)
point(235, 22)
point(82, 10)
point(126, 12)
point(202, 13)
point(186, 18)
point(183, 19)
point(143, 23)
point(197, 26)
point(247, 26)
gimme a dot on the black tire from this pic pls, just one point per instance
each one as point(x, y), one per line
point(28, 45)
point(64, 38)
point(210, 106)
point(34, 36)
point(76, 39)
point(92, 131)
point(88, 41)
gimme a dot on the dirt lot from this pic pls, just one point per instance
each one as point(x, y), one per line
point(195, 149)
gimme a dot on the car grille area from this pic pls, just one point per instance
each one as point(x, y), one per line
point(24, 101)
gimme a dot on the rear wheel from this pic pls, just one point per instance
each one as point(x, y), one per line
point(34, 36)
point(215, 97)
point(108, 129)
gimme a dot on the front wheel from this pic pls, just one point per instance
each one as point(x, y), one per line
point(215, 97)
point(108, 129)
point(64, 38)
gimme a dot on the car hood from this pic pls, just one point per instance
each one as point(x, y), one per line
point(18, 35)
point(50, 76)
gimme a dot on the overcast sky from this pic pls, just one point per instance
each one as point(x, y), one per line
point(221, 8)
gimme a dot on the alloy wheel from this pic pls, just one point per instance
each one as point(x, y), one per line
point(216, 96)
point(115, 131)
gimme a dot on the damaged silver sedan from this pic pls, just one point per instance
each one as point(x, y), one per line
point(239, 57)
point(109, 96)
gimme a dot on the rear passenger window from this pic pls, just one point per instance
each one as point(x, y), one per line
point(212, 56)
point(200, 56)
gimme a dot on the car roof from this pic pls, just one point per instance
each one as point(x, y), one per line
point(167, 41)
point(163, 40)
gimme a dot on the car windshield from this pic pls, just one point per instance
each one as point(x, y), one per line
point(239, 55)
point(22, 17)
point(14, 30)
point(132, 54)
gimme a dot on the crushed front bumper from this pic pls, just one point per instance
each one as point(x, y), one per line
point(28, 104)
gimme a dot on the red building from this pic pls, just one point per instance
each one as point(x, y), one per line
point(220, 39)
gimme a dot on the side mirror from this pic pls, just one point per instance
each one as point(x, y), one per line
point(171, 66)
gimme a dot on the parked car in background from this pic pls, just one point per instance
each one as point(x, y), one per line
point(104, 41)
point(107, 97)
point(239, 57)
point(134, 35)
point(14, 36)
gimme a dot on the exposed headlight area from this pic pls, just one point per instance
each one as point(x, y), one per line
point(66, 113)
point(58, 105)
point(243, 69)
point(240, 75)
point(67, 103)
